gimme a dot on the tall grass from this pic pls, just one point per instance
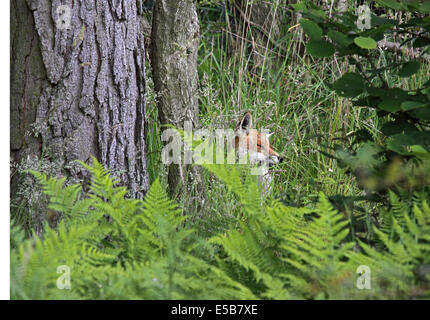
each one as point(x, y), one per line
point(287, 93)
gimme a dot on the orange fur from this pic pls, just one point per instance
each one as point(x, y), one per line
point(248, 136)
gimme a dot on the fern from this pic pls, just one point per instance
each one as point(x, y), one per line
point(116, 248)
point(63, 199)
point(291, 256)
point(240, 182)
point(316, 251)
point(120, 248)
point(288, 254)
point(395, 268)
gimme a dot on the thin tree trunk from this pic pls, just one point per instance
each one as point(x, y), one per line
point(78, 91)
point(260, 21)
point(175, 40)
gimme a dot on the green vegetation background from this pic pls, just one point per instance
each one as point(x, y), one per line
point(353, 189)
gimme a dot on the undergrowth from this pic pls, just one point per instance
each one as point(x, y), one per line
point(110, 247)
point(301, 242)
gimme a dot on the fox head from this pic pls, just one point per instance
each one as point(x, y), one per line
point(249, 141)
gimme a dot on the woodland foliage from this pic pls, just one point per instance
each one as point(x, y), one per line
point(353, 200)
point(119, 248)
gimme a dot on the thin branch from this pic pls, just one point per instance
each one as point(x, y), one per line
point(397, 48)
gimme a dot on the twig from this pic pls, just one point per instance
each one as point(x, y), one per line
point(396, 47)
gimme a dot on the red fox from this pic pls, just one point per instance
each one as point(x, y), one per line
point(256, 146)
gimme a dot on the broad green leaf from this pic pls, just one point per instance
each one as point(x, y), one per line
point(339, 38)
point(393, 4)
point(418, 5)
point(390, 104)
point(375, 91)
point(409, 69)
point(393, 100)
point(365, 42)
point(402, 143)
point(420, 152)
point(398, 143)
point(320, 48)
point(349, 85)
point(299, 6)
point(378, 21)
point(397, 126)
point(317, 14)
point(410, 105)
point(349, 50)
point(421, 42)
point(311, 29)
point(369, 101)
point(421, 113)
point(377, 31)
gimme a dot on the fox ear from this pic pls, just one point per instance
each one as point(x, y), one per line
point(246, 122)
point(268, 135)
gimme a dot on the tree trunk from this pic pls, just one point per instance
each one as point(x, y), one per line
point(259, 22)
point(77, 90)
point(175, 40)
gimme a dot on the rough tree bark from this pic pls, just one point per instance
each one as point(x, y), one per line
point(175, 40)
point(78, 91)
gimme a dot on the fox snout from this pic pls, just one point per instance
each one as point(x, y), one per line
point(275, 160)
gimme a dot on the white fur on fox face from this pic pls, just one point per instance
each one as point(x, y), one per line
point(257, 157)
point(274, 159)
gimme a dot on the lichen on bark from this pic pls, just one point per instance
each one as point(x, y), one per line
point(82, 87)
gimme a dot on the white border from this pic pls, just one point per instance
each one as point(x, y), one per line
point(5, 150)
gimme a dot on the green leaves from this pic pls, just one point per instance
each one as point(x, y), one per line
point(411, 105)
point(339, 38)
point(116, 248)
point(349, 85)
point(316, 47)
point(422, 113)
point(402, 142)
point(392, 4)
point(365, 42)
point(311, 29)
point(320, 48)
point(300, 6)
point(392, 99)
point(421, 42)
point(379, 85)
point(395, 157)
point(409, 69)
